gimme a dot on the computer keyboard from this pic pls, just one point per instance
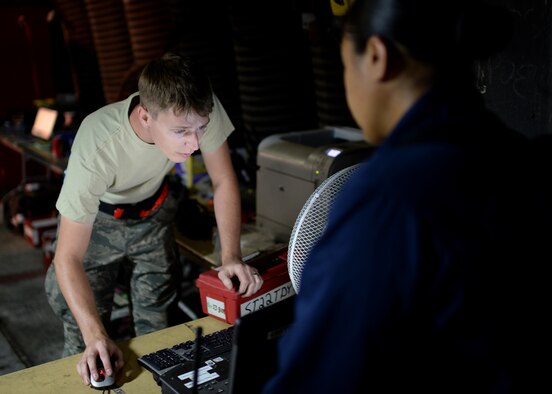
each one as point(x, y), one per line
point(212, 345)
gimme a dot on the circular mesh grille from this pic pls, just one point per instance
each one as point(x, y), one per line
point(311, 222)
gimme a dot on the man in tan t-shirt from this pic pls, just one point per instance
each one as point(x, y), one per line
point(115, 207)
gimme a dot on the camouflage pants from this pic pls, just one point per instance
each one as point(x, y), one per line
point(147, 246)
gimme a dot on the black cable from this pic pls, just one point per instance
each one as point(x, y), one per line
point(197, 356)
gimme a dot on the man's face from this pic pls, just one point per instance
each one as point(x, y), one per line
point(177, 136)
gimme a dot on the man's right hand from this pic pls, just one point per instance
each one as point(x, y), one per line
point(107, 350)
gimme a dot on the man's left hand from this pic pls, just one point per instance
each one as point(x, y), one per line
point(250, 279)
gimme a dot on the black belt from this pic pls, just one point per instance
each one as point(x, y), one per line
point(137, 210)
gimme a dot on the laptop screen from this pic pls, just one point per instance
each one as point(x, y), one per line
point(44, 124)
point(244, 368)
point(255, 350)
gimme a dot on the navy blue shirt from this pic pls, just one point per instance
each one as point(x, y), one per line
point(410, 287)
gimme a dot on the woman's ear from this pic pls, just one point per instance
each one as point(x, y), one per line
point(376, 58)
point(382, 58)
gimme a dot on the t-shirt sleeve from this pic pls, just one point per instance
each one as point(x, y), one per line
point(79, 197)
point(84, 183)
point(219, 128)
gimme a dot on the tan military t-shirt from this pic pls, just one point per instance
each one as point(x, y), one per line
point(109, 162)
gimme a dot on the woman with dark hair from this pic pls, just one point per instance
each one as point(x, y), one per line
point(417, 283)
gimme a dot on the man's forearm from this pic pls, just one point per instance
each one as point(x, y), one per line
point(78, 294)
point(228, 216)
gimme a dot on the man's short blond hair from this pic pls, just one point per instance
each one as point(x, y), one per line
point(175, 82)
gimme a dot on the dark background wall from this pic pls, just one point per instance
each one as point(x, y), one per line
point(274, 64)
point(26, 65)
point(517, 83)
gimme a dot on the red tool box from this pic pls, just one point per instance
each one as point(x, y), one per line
point(228, 305)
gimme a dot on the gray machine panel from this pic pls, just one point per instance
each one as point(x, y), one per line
point(281, 198)
point(292, 165)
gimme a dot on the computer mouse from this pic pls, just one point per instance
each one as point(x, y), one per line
point(103, 380)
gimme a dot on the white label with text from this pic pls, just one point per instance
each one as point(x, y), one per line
point(277, 294)
point(215, 308)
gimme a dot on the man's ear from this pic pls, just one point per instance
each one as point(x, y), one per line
point(382, 58)
point(144, 116)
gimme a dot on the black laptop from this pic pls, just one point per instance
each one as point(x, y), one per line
point(246, 367)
